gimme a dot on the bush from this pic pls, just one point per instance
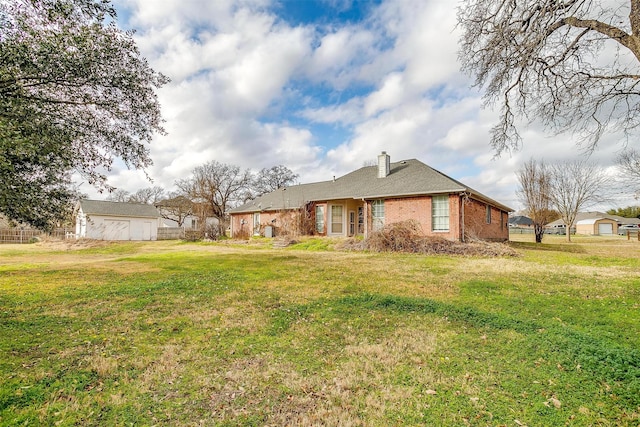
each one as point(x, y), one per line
point(407, 236)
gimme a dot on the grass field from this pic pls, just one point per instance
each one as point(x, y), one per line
point(171, 333)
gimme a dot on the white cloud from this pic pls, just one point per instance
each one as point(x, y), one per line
point(340, 55)
point(391, 94)
point(247, 89)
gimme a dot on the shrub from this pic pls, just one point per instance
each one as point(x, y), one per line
point(407, 236)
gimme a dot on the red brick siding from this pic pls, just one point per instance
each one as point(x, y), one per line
point(419, 209)
point(476, 225)
point(241, 230)
point(395, 210)
point(416, 208)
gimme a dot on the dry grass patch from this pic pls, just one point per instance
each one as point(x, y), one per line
point(489, 267)
point(359, 389)
point(206, 334)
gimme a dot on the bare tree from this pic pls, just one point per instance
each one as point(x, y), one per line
point(268, 180)
point(629, 162)
point(576, 185)
point(218, 185)
point(535, 194)
point(572, 64)
point(176, 208)
point(149, 195)
point(119, 195)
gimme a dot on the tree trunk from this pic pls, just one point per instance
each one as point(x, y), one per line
point(568, 234)
point(539, 231)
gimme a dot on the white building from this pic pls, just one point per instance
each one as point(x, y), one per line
point(102, 220)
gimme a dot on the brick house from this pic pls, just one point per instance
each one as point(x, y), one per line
point(368, 198)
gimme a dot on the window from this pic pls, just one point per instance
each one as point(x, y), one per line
point(488, 214)
point(377, 215)
point(336, 219)
point(352, 223)
point(501, 220)
point(360, 220)
point(320, 219)
point(440, 213)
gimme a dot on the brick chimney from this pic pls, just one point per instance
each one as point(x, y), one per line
point(384, 165)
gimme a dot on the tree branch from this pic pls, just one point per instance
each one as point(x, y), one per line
point(614, 33)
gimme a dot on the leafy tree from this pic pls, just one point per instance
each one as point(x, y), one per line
point(576, 185)
point(268, 180)
point(535, 193)
point(571, 64)
point(219, 186)
point(628, 212)
point(75, 94)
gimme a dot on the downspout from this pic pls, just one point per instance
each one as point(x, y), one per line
point(366, 218)
point(462, 220)
point(463, 199)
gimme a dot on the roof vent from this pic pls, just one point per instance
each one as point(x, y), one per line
point(384, 165)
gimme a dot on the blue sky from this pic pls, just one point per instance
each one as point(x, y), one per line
point(321, 87)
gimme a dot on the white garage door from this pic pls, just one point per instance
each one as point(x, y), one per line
point(605, 228)
point(116, 230)
point(146, 231)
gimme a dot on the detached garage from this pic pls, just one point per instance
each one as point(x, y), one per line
point(102, 220)
point(597, 226)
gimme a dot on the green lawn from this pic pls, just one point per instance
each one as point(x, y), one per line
point(170, 333)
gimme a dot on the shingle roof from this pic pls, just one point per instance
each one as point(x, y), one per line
point(583, 216)
point(406, 178)
point(101, 207)
point(520, 220)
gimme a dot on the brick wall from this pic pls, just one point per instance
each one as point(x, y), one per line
point(395, 210)
point(416, 208)
point(419, 209)
point(476, 224)
point(240, 230)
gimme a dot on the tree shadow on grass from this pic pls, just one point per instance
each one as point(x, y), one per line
point(567, 247)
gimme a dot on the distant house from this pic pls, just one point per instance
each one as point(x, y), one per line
point(102, 220)
point(595, 223)
point(371, 197)
point(189, 219)
point(520, 221)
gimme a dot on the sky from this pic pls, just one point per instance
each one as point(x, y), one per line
point(322, 87)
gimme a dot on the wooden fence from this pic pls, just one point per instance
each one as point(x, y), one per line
point(29, 235)
point(170, 233)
